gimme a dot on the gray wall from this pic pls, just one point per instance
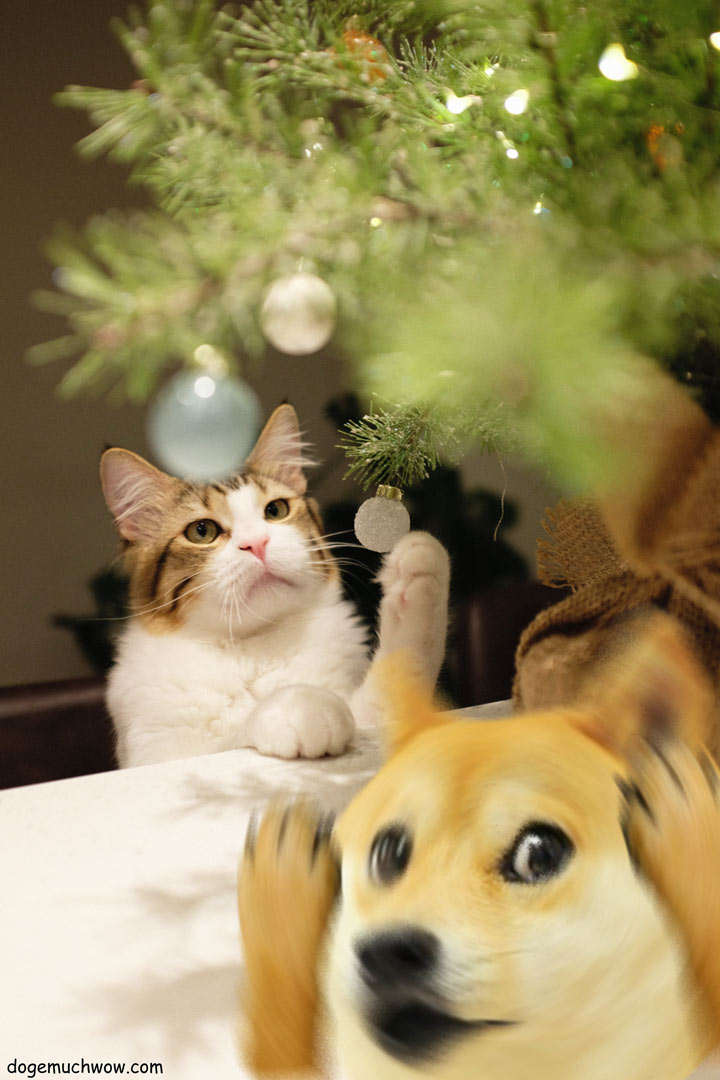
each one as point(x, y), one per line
point(55, 531)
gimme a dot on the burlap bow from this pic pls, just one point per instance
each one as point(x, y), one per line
point(661, 547)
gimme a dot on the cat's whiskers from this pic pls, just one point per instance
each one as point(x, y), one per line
point(235, 603)
point(347, 561)
point(169, 603)
point(229, 610)
point(235, 611)
point(329, 536)
point(151, 609)
point(355, 580)
point(226, 613)
point(347, 565)
point(255, 614)
point(317, 544)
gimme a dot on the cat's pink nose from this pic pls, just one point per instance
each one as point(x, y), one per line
point(257, 546)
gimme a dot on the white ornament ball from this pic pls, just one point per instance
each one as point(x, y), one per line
point(381, 521)
point(202, 427)
point(298, 314)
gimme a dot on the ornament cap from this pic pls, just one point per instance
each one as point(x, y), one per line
point(387, 491)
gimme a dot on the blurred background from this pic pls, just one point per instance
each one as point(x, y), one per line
point(58, 534)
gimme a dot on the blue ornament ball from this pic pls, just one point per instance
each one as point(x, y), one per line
point(202, 427)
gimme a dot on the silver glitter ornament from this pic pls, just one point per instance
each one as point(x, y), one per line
point(382, 520)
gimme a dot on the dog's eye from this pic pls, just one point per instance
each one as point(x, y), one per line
point(539, 852)
point(390, 854)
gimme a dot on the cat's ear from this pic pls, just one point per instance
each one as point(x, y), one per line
point(136, 492)
point(279, 451)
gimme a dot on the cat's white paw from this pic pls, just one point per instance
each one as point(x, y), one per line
point(415, 578)
point(300, 721)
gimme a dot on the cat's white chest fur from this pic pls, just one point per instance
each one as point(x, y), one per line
point(183, 694)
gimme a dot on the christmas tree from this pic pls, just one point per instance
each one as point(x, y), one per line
point(505, 215)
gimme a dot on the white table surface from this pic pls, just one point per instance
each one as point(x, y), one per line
point(119, 938)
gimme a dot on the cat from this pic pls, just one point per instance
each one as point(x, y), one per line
point(239, 634)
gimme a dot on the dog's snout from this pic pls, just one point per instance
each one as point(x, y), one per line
point(397, 957)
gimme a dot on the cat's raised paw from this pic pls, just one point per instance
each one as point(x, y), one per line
point(416, 570)
point(300, 721)
point(415, 578)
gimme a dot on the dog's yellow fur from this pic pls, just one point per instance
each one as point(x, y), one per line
point(607, 968)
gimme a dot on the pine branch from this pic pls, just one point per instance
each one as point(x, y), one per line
point(397, 446)
point(546, 39)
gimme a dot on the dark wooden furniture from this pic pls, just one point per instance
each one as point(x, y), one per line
point(484, 635)
point(50, 731)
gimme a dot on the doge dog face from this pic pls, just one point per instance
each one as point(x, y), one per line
point(492, 919)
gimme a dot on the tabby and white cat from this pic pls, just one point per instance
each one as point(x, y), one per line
point(240, 636)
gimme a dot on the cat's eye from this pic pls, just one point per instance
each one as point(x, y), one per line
point(540, 851)
point(390, 854)
point(277, 509)
point(203, 531)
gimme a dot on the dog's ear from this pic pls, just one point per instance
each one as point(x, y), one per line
point(408, 705)
point(652, 689)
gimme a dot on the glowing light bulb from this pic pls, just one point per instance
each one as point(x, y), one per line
point(508, 147)
point(715, 40)
point(517, 103)
point(213, 362)
point(614, 64)
point(541, 211)
point(457, 105)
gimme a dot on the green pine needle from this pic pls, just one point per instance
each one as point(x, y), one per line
point(397, 446)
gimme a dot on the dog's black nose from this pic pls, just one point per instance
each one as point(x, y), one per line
point(397, 958)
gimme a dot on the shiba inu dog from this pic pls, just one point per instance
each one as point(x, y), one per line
point(536, 898)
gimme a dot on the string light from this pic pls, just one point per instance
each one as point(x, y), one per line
point(715, 40)
point(517, 103)
point(212, 362)
point(457, 105)
point(614, 64)
point(510, 150)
